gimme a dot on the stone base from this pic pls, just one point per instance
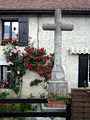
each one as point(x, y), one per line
point(53, 109)
point(58, 87)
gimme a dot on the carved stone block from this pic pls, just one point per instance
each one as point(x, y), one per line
point(60, 87)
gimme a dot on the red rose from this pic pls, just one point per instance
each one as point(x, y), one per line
point(30, 48)
point(28, 59)
point(25, 49)
point(32, 51)
point(25, 61)
point(40, 66)
point(9, 37)
point(31, 84)
point(0, 104)
point(37, 63)
point(45, 60)
point(49, 77)
point(48, 64)
point(41, 50)
point(46, 67)
point(2, 41)
point(14, 106)
point(40, 73)
point(49, 70)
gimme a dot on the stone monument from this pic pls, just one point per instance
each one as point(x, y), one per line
point(58, 83)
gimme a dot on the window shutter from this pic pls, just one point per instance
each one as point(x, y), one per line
point(23, 31)
point(83, 70)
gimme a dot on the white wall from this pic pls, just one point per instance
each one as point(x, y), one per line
point(78, 38)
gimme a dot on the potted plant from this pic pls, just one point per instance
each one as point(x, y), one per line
point(55, 99)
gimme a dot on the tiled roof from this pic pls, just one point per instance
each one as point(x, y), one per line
point(5, 4)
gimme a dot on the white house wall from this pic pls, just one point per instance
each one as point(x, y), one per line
point(78, 38)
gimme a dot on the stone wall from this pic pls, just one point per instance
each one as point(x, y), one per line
point(78, 38)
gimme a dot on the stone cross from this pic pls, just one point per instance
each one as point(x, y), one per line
point(57, 71)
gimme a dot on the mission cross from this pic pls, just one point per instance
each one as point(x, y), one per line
point(57, 71)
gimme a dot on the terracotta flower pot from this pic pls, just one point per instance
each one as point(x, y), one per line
point(56, 104)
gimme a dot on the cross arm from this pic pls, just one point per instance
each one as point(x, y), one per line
point(49, 26)
point(66, 27)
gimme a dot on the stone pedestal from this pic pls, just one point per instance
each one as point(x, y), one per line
point(58, 87)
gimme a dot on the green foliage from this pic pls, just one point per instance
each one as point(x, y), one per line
point(23, 107)
point(3, 95)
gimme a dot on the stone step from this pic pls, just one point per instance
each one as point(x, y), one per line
point(45, 108)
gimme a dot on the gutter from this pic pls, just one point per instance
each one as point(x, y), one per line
point(44, 10)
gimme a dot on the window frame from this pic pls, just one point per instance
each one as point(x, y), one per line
point(10, 27)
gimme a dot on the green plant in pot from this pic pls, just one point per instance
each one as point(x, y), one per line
point(55, 99)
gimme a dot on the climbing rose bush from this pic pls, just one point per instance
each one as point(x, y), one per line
point(39, 61)
point(15, 59)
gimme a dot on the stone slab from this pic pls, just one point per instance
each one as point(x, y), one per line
point(58, 87)
point(53, 109)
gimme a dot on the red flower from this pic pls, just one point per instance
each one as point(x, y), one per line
point(14, 106)
point(38, 69)
point(9, 37)
point(33, 65)
point(27, 59)
point(4, 105)
point(46, 71)
point(30, 48)
point(41, 50)
point(30, 66)
point(37, 63)
point(32, 51)
point(49, 70)
point(7, 104)
point(31, 84)
point(48, 64)
point(25, 49)
point(49, 77)
point(46, 67)
point(45, 60)
point(33, 62)
point(0, 104)
point(2, 41)
point(40, 66)
point(40, 73)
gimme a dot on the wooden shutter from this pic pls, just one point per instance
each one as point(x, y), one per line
point(23, 31)
point(83, 70)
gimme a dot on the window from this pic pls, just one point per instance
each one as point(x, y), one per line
point(83, 70)
point(10, 29)
point(89, 68)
